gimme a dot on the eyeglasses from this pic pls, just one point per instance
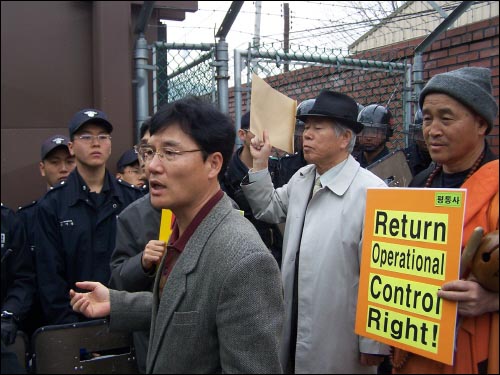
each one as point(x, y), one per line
point(88, 138)
point(133, 171)
point(147, 153)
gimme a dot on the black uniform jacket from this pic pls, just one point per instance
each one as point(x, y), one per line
point(74, 237)
point(18, 276)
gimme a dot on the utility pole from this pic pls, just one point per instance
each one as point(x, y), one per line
point(286, 34)
point(256, 32)
point(222, 56)
point(141, 59)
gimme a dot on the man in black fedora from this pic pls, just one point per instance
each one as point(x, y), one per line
point(323, 205)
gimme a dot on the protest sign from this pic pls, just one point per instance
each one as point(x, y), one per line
point(411, 246)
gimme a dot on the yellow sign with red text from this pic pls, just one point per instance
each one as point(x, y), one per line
point(411, 246)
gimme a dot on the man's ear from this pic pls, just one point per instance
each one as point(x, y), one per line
point(482, 125)
point(70, 149)
point(241, 134)
point(41, 165)
point(346, 139)
point(214, 164)
point(118, 176)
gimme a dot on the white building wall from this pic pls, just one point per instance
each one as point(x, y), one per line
point(414, 21)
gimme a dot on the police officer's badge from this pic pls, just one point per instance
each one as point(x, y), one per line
point(58, 141)
point(90, 113)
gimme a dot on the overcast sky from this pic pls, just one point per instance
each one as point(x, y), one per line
point(330, 24)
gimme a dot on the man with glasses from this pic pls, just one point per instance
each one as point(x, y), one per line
point(129, 170)
point(138, 250)
point(76, 220)
point(217, 304)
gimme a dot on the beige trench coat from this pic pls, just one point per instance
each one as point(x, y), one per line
point(330, 255)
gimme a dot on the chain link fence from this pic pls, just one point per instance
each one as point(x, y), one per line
point(382, 77)
point(302, 72)
point(182, 70)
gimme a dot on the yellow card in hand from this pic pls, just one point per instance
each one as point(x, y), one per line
point(167, 218)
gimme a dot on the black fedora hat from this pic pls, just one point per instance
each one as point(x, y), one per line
point(336, 106)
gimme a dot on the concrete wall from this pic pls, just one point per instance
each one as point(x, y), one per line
point(57, 58)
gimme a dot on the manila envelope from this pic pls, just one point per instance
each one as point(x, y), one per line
point(271, 110)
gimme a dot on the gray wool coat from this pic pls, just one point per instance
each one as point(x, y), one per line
point(222, 306)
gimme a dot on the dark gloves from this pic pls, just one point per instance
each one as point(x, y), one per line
point(9, 330)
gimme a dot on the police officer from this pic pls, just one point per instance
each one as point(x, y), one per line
point(76, 220)
point(129, 170)
point(56, 163)
point(378, 128)
point(417, 153)
point(18, 277)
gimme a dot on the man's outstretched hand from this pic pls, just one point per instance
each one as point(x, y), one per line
point(94, 304)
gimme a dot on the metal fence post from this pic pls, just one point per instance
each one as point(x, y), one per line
point(141, 73)
point(407, 105)
point(222, 64)
point(237, 94)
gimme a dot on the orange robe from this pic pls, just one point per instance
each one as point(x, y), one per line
point(475, 333)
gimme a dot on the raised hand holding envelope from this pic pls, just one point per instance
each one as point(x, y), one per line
point(271, 110)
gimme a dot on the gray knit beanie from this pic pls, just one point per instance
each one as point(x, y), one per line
point(470, 86)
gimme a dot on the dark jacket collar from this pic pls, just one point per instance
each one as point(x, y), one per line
point(80, 190)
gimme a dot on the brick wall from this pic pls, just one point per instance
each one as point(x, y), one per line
point(473, 45)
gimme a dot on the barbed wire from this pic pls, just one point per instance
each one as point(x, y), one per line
point(362, 15)
point(336, 30)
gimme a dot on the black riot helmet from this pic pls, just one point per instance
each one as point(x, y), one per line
point(416, 126)
point(360, 107)
point(377, 116)
point(302, 109)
